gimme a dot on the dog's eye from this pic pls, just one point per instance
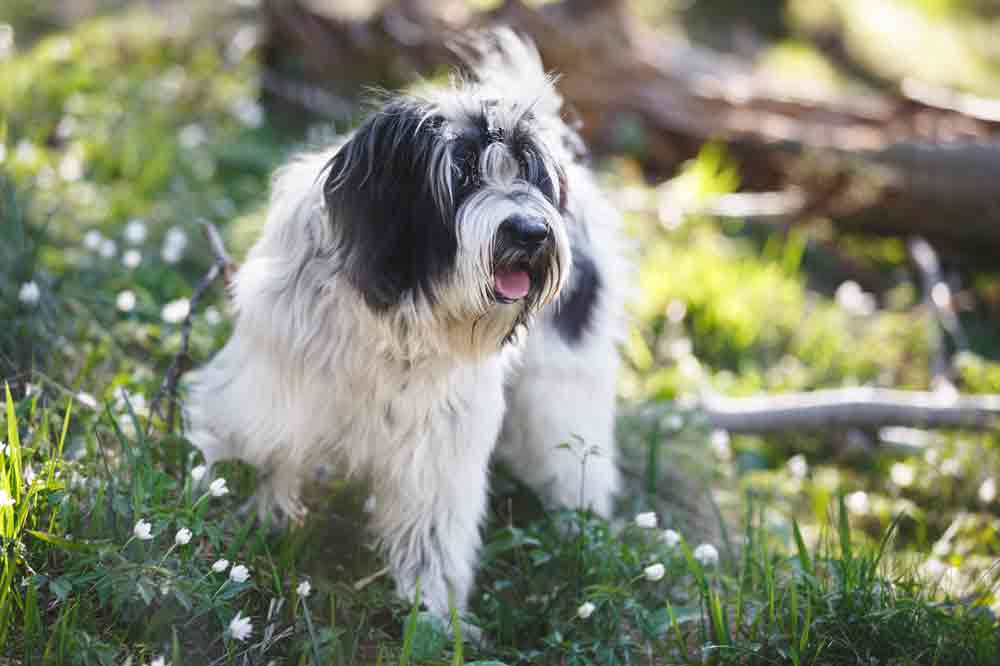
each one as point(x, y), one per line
point(466, 167)
point(525, 167)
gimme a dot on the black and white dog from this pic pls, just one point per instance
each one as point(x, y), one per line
point(444, 285)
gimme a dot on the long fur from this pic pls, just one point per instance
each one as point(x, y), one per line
point(371, 336)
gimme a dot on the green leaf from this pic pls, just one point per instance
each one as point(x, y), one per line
point(431, 637)
point(803, 552)
point(61, 587)
point(146, 591)
point(66, 544)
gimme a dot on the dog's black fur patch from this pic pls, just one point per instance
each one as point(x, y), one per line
point(393, 233)
point(574, 310)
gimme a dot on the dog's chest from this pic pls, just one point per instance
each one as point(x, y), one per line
point(401, 408)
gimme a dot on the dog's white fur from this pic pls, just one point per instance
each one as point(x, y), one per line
point(418, 398)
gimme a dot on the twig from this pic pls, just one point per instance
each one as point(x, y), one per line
point(168, 389)
point(368, 580)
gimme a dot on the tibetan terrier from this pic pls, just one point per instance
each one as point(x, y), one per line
point(441, 287)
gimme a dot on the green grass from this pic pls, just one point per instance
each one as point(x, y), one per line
point(827, 557)
point(80, 585)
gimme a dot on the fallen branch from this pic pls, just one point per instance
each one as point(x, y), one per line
point(922, 162)
point(861, 407)
point(222, 265)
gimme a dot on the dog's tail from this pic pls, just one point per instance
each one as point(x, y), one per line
point(502, 60)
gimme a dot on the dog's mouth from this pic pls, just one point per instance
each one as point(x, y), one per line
point(511, 283)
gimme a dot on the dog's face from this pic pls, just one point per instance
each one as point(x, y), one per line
point(452, 210)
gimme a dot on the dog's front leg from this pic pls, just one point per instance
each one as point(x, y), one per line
point(428, 516)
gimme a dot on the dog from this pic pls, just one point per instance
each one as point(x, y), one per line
point(443, 286)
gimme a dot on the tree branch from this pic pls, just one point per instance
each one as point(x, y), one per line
point(222, 265)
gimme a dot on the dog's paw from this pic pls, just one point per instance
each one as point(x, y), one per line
point(281, 510)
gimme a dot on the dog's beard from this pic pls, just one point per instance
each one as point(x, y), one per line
point(497, 288)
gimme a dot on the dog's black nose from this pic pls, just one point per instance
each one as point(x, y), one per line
point(527, 233)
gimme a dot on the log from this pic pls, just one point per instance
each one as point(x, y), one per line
point(923, 161)
point(858, 407)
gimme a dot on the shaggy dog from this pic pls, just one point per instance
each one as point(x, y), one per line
point(442, 286)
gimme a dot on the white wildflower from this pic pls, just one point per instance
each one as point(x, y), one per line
point(159, 661)
point(239, 574)
point(86, 400)
point(125, 301)
point(218, 488)
point(646, 520)
point(108, 248)
point(30, 293)
point(176, 237)
point(857, 502)
point(933, 568)
point(212, 316)
point(177, 311)
point(304, 589)
point(671, 538)
point(5, 499)
point(248, 112)
point(585, 610)
point(172, 254)
point(92, 240)
point(131, 258)
point(220, 565)
point(143, 531)
point(988, 491)
point(797, 466)
point(192, 135)
point(719, 442)
point(706, 554)
point(852, 298)
point(71, 166)
point(240, 628)
point(951, 467)
point(25, 151)
point(135, 232)
point(654, 572)
point(198, 473)
point(680, 348)
point(174, 243)
point(902, 475)
point(123, 399)
point(183, 537)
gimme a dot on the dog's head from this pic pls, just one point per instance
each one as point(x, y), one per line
point(453, 205)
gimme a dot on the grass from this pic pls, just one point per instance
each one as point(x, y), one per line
point(81, 584)
point(879, 555)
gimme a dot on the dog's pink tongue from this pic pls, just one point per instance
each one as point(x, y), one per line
point(512, 284)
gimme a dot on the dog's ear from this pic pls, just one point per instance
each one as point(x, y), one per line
point(388, 201)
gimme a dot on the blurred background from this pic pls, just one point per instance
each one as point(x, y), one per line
point(811, 189)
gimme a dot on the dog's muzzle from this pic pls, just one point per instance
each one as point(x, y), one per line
point(524, 245)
